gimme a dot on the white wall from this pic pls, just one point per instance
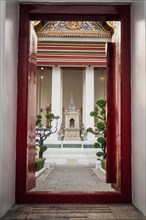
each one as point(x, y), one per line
point(99, 84)
point(44, 87)
point(2, 30)
point(72, 84)
point(138, 81)
point(8, 88)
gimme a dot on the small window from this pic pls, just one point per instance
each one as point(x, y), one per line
point(72, 123)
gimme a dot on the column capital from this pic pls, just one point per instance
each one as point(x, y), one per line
point(89, 68)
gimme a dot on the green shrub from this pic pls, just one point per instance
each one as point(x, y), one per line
point(39, 163)
point(100, 115)
point(42, 149)
point(42, 132)
point(103, 164)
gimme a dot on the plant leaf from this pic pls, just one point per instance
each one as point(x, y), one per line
point(100, 154)
point(93, 114)
point(101, 140)
point(96, 145)
point(90, 130)
point(50, 115)
point(100, 126)
point(101, 103)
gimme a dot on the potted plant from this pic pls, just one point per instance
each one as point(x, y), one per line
point(100, 130)
point(42, 132)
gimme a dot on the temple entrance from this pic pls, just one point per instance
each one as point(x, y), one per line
point(71, 79)
point(73, 123)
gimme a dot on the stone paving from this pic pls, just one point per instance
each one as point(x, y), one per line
point(65, 178)
point(73, 178)
point(74, 212)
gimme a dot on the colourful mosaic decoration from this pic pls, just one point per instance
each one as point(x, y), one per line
point(86, 26)
point(49, 26)
point(60, 26)
point(86, 29)
point(72, 26)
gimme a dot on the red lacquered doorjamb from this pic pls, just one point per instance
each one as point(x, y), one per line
point(111, 169)
point(73, 12)
point(31, 111)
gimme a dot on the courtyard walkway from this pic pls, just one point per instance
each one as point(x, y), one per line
point(72, 178)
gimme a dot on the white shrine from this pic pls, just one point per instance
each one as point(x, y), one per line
point(72, 124)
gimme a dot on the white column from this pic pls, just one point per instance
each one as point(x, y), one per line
point(88, 99)
point(56, 99)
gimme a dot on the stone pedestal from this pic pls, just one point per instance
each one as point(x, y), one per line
point(72, 134)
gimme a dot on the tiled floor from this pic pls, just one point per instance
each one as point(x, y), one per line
point(65, 178)
point(74, 212)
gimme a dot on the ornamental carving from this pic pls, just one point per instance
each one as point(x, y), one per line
point(96, 29)
point(73, 25)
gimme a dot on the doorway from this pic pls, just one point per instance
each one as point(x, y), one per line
point(121, 137)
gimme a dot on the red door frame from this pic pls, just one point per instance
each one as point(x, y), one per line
point(73, 12)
